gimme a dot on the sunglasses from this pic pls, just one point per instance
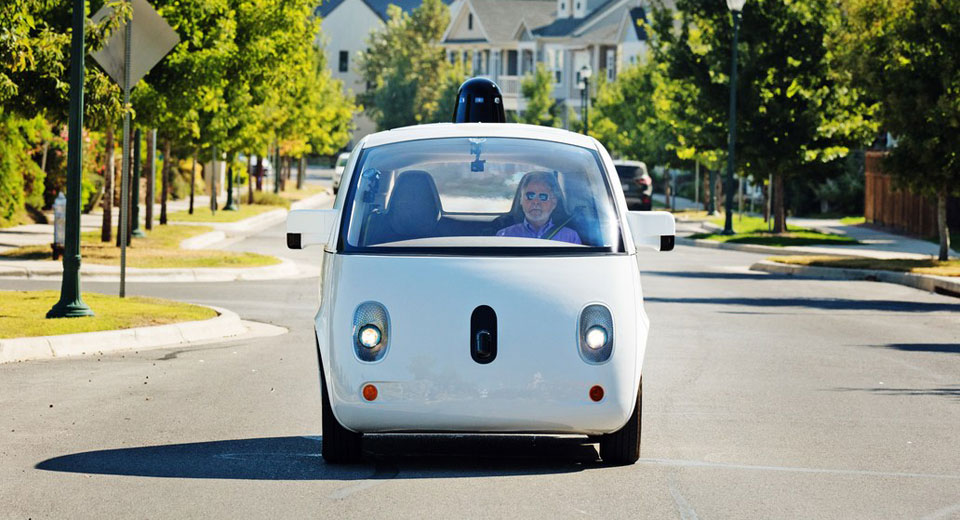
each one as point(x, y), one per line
point(542, 196)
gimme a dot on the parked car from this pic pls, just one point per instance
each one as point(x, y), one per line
point(338, 170)
point(636, 183)
point(481, 278)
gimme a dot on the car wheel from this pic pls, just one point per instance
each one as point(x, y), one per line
point(623, 446)
point(339, 445)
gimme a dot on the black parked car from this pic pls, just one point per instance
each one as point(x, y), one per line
point(637, 184)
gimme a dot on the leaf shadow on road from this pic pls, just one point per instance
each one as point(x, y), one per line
point(829, 304)
point(942, 348)
point(298, 458)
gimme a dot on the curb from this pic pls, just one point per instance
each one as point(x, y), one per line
point(936, 284)
point(752, 248)
point(98, 273)
point(227, 324)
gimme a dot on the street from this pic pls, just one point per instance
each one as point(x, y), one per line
point(764, 397)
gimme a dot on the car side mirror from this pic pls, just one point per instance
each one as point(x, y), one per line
point(310, 227)
point(654, 230)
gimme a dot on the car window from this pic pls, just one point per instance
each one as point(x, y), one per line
point(342, 161)
point(480, 193)
point(628, 172)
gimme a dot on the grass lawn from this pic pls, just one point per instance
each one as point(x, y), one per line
point(307, 191)
point(691, 214)
point(22, 313)
point(205, 215)
point(925, 266)
point(853, 221)
point(753, 230)
point(160, 248)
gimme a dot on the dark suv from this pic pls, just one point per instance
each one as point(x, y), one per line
point(637, 184)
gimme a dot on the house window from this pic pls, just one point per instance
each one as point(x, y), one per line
point(578, 6)
point(344, 57)
point(470, 21)
point(555, 63)
point(563, 7)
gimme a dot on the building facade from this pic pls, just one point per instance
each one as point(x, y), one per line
point(505, 40)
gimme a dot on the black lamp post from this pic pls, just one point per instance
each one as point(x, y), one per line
point(71, 304)
point(736, 7)
point(585, 73)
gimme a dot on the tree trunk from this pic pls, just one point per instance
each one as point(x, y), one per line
point(706, 190)
point(766, 202)
point(301, 171)
point(105, 229)
point(165, 181)
point(779, 213)
point(942, 228)
point(259, 173)
point(151, 178)
point(666, 190)
point(193, 178)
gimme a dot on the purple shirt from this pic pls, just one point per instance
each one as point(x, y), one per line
point(525, 230)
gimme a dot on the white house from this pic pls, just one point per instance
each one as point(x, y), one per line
point(505, 39)
point(346, 26)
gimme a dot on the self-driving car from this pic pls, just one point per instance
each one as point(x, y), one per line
point(481, 278)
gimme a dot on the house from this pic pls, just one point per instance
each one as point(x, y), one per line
point(506, 39)
point(345, 27)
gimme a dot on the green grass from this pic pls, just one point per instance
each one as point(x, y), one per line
point(222, 216)
point(924, 266)
point(307, 191)
point(852, 221)
point(269, 198)
point(159, 249)
point(753, 230)
point(22, 313)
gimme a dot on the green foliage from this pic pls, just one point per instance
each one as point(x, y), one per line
point(21, 179)
point(267, 198)
point(410, 77)
point(537, 90)
point(904, 54)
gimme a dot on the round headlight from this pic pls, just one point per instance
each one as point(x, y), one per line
point(369, 336)
point(596, 337)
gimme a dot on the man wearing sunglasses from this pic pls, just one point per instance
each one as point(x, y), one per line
point(539, 195)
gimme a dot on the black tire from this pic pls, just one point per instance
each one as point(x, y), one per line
point(339, 445)
point(622, 447)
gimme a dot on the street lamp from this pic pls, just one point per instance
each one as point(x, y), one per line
point(585, 73)
point(736, 7)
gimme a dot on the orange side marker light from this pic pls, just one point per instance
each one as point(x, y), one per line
point(370, 392)
point(596, 393)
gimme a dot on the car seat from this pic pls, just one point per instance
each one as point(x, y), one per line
point(413, 211)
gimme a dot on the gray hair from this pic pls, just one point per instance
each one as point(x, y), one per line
point(548, 178)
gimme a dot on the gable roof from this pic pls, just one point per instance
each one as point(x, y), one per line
point(377, 6)
point(562, 27)
point(499, 18)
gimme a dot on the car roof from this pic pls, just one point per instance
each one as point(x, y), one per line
point(440, 130)
point(623, 162)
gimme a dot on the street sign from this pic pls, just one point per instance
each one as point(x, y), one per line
point(152, 39)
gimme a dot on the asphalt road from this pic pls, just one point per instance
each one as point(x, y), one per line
point(764, 397)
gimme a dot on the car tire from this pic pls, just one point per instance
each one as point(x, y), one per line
point(339, 445)
point(622, 447)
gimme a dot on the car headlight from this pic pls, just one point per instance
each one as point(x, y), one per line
point(595, 334)
point(371, 331)
point(596, 337)
point(369, 336)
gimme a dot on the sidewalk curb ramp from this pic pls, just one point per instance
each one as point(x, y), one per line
point(226, 325)
point(937, 284)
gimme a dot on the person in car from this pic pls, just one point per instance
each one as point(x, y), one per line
point(539, 195)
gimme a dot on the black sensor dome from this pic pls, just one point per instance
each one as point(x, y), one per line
point(479, 101)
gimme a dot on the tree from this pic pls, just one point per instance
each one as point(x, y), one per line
point(537, 90)
point(904, 54)
point(794, 109)
point(405, 67)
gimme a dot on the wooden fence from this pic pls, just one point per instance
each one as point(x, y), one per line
point(884, 205)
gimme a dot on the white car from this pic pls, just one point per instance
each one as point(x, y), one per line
point(338, 170)
point(481, 278)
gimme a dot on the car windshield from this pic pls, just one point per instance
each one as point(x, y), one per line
point(628, 172)
point(342, 161)
point(506, 194)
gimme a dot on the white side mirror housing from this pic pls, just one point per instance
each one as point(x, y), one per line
point(654, 230)
point(310, 227)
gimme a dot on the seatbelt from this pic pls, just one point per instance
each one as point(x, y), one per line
point(557, 228)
